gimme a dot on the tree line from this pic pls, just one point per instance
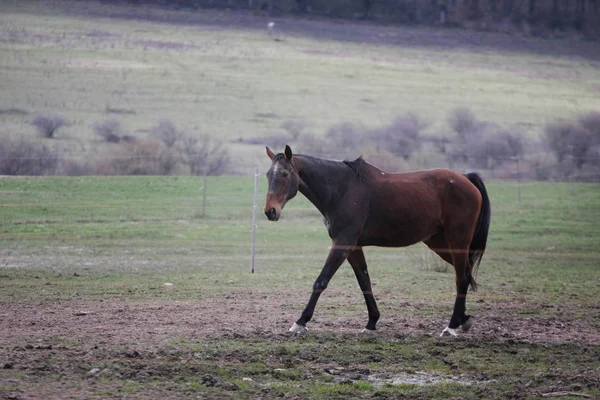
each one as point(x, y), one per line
point(581, 15)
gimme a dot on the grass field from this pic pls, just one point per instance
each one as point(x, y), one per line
point(220, 73)
point(86, 313)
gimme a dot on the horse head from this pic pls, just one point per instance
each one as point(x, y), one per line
point(283, 182)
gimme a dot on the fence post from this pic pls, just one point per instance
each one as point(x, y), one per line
point(519, 178)
point(252, 249)
point(203, 210)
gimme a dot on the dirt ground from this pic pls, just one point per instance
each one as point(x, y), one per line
point(155, 322)
point(63, 349)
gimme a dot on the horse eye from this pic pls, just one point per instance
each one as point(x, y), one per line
point(285, 174)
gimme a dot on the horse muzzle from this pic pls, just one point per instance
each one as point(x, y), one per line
point(272, 214)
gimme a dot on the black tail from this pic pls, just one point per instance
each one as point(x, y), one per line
point(481, 229)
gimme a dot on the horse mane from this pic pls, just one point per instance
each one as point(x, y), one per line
point(360, 168)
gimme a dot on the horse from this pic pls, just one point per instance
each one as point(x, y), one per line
point(365, 206)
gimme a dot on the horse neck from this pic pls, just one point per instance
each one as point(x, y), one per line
point(320, 180)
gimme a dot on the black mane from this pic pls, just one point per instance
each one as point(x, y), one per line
point(357, 166)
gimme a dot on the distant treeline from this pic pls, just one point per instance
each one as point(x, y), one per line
point(531, 15)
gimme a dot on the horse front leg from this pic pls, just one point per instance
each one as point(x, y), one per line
point(337, 255)
point(356, 258)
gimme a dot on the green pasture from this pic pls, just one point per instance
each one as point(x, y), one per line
point(102, 239)
point(222, 74)
point(108, 225)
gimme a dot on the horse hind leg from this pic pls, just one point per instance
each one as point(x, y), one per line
point(459, 317)
point(459, 259)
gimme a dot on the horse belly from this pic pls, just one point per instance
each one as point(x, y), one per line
point(396, 233)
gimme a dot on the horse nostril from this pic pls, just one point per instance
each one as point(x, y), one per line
point(271, 213)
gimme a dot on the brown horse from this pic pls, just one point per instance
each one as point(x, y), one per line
point(364, 206)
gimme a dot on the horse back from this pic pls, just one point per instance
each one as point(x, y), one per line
point(407, 208)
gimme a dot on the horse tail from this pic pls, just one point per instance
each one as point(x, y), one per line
point(482, 227)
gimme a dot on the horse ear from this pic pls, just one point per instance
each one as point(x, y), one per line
point(288, 152)
point(270, 153)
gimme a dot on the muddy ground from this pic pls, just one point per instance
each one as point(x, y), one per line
point(239, 347)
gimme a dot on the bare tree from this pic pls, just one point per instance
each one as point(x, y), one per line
point(110, 130)
point(204, 156)
point(47, 125)
point(166, 131)
point(20, 157)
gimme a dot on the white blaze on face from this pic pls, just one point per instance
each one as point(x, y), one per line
point(275, 172)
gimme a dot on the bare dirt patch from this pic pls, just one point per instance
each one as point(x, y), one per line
point(156, 321)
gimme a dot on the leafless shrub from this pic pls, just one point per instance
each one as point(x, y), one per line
point(276, 140)
point(312, 144)
point(569, 139)
point(166, 131)
point(463, 122)
point(346, 138)
point(204, 156)
point(82, 167)
point(496, 147)
point(576, 145)
point(440, 143)
point(402, 136)
point(480, 144)
point(384, 160)
point(47, 125)
point(540, 166)
point(142, 157)
point(294, 128)
point(110, 130)
point(591, 123)
point(128, 138)
point(20, 157)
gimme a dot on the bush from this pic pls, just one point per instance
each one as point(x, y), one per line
point(165, 131)
point(462, 121)
point(204, 156)
point(479, 144)
point(19, 157)
point(314, 145)
point(294, 127)
point(47, 125)
point(384, 160)
point(495, 148)
point(110, 130)
point(571, 140)
point(346, 138)
point(142, 157)
point(401, 137)
point(591, 123)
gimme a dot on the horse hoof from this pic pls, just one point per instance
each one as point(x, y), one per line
point(467, 325)
point(298, 329)
point(368, 331)
point(449, 332)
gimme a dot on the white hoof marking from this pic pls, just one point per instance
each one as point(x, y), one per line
point(467, 325)
point(298, 329)
point(368, 331)
point(449, 332)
